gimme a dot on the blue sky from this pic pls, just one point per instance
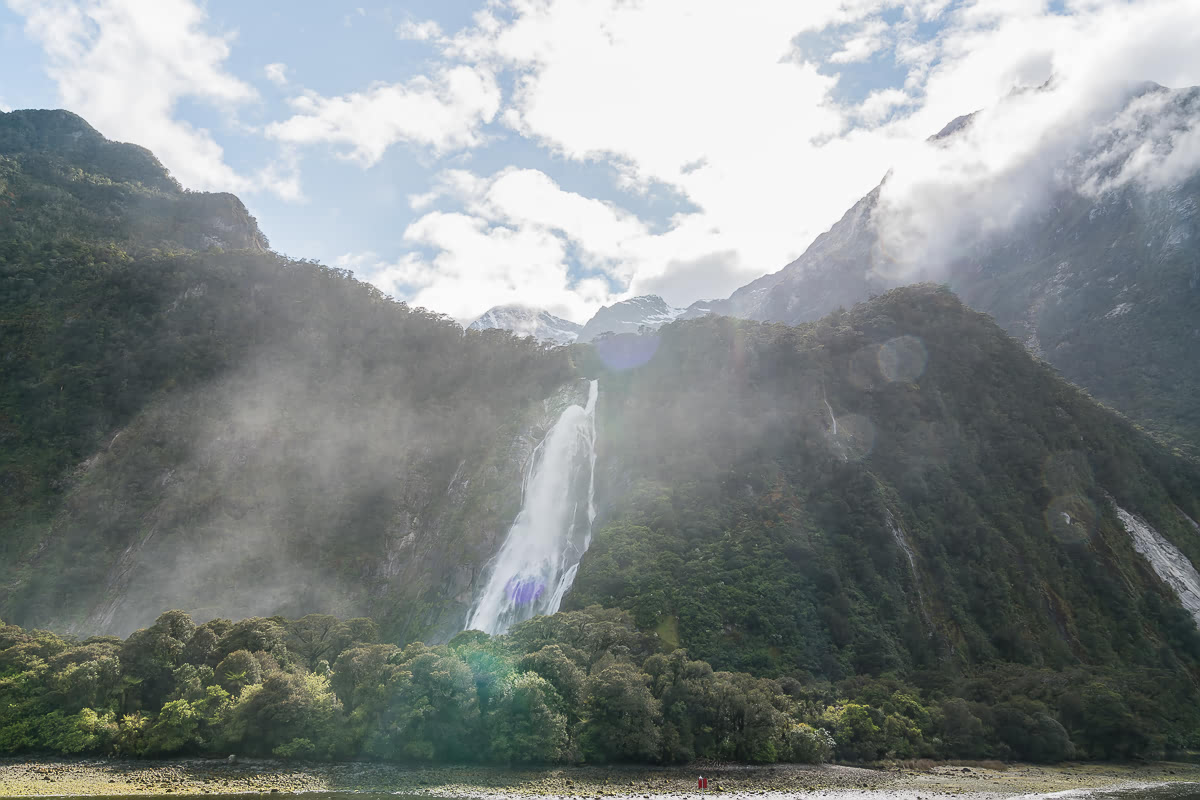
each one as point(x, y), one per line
point(559, 153)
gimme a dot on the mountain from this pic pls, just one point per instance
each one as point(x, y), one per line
point(629, 316)
point(524, 321)
point(893, 500)
point(60, 177)
point(893, 487)
point(647, 312)
point(1103, 283)
point(226, 430)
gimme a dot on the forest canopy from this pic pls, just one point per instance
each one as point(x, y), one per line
point(584, 686)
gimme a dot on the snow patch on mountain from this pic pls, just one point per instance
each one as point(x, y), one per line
point(525, 321)
point(629, 316)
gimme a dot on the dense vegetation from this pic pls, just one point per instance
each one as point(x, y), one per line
point(227, 428)
point(739, 526)
point(584, 686)
point(891, 525)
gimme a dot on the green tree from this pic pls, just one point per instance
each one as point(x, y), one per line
point(149, 658)
point(238, 670)
point(857, 730)
point(621, 716)
point(174, 729)
point(962, 731)
point(554, 663)
point(524, 725)
point(321, 637)
point(256, 635)
point(429, 710)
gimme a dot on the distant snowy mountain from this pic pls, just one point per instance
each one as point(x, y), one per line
point(524, 321)
point(628, 316)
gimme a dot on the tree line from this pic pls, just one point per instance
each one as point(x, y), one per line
point(584, 686)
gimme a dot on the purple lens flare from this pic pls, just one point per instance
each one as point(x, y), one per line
point(523, 591)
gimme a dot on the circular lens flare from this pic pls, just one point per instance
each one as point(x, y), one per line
point(626, 350)
point(902, 359)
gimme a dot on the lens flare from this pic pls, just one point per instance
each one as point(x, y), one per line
point(523, 591)
point(626, 350)
point(902, 359)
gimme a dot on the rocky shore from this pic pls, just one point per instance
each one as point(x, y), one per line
point(26, 778)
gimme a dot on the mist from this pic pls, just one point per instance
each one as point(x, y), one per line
point(319, 479)
point(1007, 165)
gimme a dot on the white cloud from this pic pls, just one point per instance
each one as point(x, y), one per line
point(1154, 142)
point(734, 133)
point(1024, 146)
point(880, 103)
point(756, 140)
point(443, 113)
point(5, 107)
point(276, 73)
point(419, 31)
point(522, 238)
point(282, 176)
point(125, 64)
point(865, 43)
point(478, 265)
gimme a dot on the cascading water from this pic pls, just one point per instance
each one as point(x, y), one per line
point(537, 563)
point(902, 541)
point(829, 408)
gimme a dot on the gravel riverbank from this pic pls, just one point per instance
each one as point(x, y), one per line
point(25, 778)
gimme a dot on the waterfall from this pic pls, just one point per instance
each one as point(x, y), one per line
point(902, 541)
point(537, 563)
point(829, 408)
point(1171, 565)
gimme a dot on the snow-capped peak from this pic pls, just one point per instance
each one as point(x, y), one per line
point(525, 321)
point(628, 316)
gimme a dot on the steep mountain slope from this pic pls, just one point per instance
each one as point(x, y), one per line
point(629, 316)
point(524, 321)
point(1102, 281)
point(59, 178)
point(901, 487)
point(227, 430)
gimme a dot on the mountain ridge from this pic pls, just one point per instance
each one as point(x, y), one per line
point(81, 183)
point(898, 491)
point(526, 321)
point(629, 316)
point(1047, 281)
